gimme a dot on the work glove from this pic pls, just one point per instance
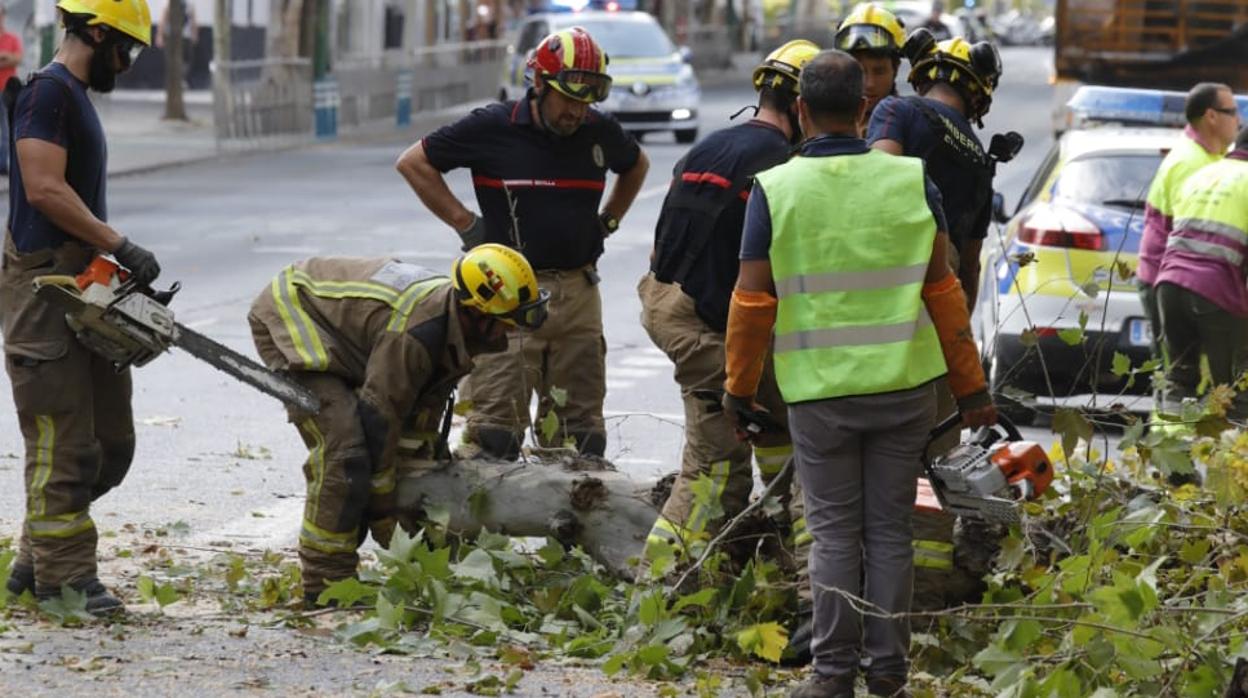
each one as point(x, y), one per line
point(748, 418)
point(142, 264)
point(474, 234)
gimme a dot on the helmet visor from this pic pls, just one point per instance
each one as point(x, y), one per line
point(530, 315)
point(584, 85)
point(866, 37)
point(128, 50)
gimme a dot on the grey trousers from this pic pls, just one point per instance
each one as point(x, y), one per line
point(857, 460)
point(1194, 325)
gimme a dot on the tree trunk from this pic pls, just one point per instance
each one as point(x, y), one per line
point(578, 501)
point(175, 106)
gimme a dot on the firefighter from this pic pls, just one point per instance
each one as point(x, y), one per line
point(1201, 282)
point(382, 344)
point(73, 407)
point(539, 169)
point(1212, 120)
point(874, 37)
point(866, 316)
point(685, 298)
point(954, 81)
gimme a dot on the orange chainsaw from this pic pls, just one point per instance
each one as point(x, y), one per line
point(130, 325)
point(990, 475)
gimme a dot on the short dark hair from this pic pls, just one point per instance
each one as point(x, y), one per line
point(1201, 98)
point(778, 100)
point(1241, 141)
point(832, 85)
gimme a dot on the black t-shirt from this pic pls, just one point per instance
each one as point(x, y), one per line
point(698, 236)
point(556, 182)
point(55, 108)
point(967, 196)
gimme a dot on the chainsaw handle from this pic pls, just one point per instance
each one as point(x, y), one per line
point(954, 421)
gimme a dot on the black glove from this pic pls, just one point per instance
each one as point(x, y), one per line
point(474, 234)
point(142, 264)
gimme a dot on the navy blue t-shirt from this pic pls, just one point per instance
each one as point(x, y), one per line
point(968, 209)
point(554, 182)
point(56, 109)
point(756, 240)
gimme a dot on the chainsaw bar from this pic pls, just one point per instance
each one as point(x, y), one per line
point(244, 369)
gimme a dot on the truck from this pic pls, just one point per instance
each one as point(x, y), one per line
point(1159, 44)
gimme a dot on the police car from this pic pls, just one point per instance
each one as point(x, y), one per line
point(653, 86)
point(1058, 292)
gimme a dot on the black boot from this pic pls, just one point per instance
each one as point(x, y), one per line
point(99, 601)
point(21, 580)
point(500, 444)
point(798, 652)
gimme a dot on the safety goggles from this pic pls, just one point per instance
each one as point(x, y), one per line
point(865, 37)
point(530, 315)
point(128, 51)
point(583, 85)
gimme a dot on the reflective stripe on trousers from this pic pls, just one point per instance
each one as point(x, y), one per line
point(933, 554)
point(317, 538)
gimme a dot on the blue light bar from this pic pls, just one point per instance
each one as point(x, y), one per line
point(1127, 106)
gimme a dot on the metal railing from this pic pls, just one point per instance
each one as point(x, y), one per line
point(264, 99)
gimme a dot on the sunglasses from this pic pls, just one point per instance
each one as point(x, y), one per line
point(584, 85)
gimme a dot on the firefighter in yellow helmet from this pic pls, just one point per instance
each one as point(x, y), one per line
point(539, 167)
point(72, 406)
point(383, 344)
point(685, 300)
point(874, 37)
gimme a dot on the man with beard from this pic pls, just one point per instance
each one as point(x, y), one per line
point(685, 296)
point(539, 167)
point(72, 406)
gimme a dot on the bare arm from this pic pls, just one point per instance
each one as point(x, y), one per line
point(430, 186)
point(755, 275)
point(889, 146)
point(43, 173)
point(626, 187)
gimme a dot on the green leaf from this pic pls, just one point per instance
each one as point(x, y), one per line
point(1017, 635)
point(549, 426)
point(652, 609)
point(1029, 338)
point(434, 563)
point(652, 654)
point(706, 495)
point(995, 660)
point(1194, 552)
point(389, 614)
point(1121, 364)
point(702, 598)
point(236, 571)
point(551, 554)
point(1202, 682)
point(6, 568)
point(559, 396)
point(1071, 425)
point(70, 608)
point(438, 514)
point(161, 594)
point(615, 662)
point(346, 593)
point(766, 640)
point(1071, 335)
point(477, 565)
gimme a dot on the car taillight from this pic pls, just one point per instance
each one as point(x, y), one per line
point(1054, 226)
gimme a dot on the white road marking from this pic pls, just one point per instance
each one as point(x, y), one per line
point(647, 360)
point(620, 372)
point(285, 249)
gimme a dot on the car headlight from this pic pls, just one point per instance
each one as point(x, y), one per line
point(685, 78)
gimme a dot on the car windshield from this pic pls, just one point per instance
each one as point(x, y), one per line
point(1119, 180)
point(628, 39)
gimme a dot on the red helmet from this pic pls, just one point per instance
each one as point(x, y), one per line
point(573, 63)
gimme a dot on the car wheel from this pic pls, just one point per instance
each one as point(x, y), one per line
point(1020, 414)
point(687, 135)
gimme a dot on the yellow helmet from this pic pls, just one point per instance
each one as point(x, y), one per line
point(973, 69)
point(130, 17)
point(871, 28)
point(782, 67)
point(499, 281)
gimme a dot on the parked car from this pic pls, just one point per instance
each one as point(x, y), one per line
point(654, 88)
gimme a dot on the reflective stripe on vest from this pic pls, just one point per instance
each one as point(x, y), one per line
point(1212, 212)
point(849, 262)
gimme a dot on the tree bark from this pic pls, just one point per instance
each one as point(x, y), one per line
point(175, 105)
point(578, 501)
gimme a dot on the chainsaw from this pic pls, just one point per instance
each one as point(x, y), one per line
point(130, 325)
point(989, 476)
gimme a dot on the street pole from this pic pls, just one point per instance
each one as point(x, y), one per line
point(175, 105)
point(221, 96)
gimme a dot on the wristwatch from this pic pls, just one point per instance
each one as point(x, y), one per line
point(610, 223)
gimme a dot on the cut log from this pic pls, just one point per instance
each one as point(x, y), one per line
point(577, 500)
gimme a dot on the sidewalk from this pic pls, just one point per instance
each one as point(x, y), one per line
point(140, 139)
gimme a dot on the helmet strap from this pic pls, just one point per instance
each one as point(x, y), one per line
point(744, 109)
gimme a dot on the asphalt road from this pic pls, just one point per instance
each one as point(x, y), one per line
point(221, 457)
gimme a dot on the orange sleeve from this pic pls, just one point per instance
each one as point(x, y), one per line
point(946, 304)
point(751, 319)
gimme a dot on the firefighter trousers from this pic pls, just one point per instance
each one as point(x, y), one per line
point(346, 496)
point(74, 412)
point(712, 451)
point(563, 361)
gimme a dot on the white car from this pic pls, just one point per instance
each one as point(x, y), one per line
point(653, 86)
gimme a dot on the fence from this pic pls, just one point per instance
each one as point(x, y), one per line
point(277, 99)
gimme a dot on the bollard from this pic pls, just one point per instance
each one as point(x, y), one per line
point(403, 98)
point(325, 100)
